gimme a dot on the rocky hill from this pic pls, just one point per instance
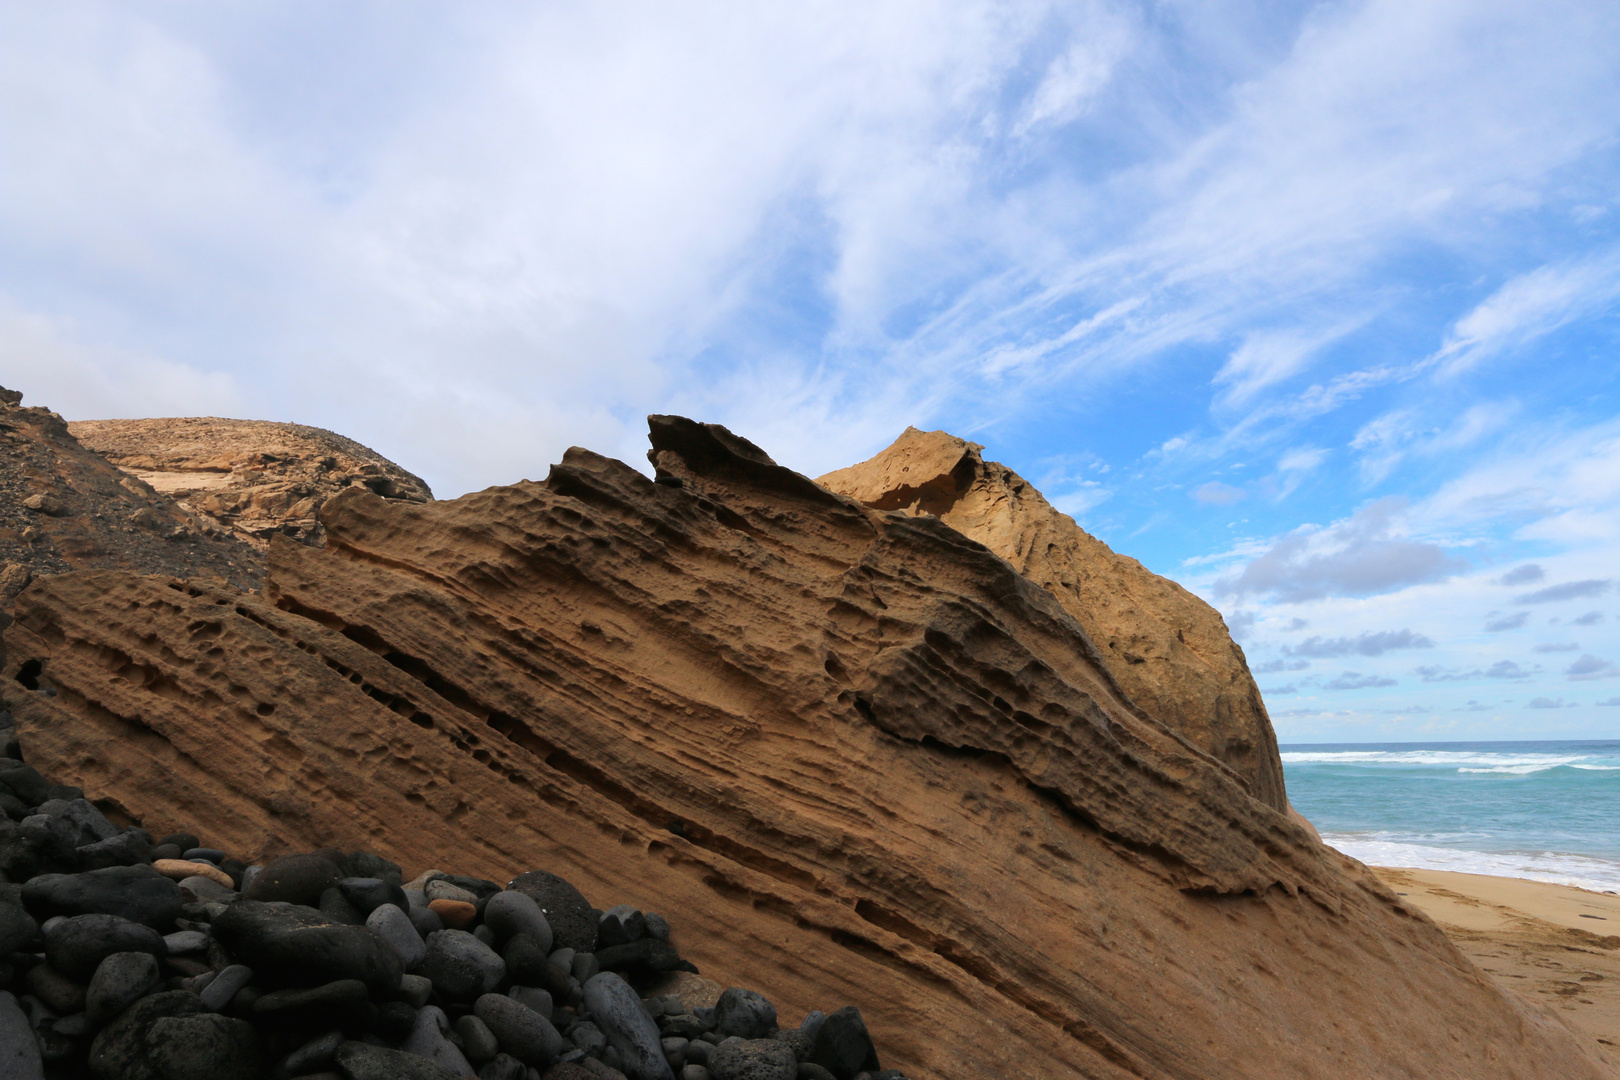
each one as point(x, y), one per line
point(858, 754)
point(251, 479)
point(1170, 651)
point(64, 508)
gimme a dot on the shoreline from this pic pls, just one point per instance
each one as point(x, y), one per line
point(1555, 945)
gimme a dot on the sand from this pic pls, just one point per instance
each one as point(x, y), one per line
point(1556, 945)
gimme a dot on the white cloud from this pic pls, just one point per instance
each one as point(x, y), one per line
point(1073, 80)
point(82, 380)
point(1528, 307)
point(1367, 553)
point(1216, 493)
point(1591, 667)
point(1269, 356)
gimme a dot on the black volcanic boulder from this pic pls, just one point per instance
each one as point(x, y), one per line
point(843, 1047)
point(294, 879)
point(294, 945)
point(137, 893)
point(18, 930)
point(569, 914)
point(121, 1051)
point(77, 946)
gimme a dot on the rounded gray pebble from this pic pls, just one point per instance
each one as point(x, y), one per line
point(185, 942)
point(511, 912)
point(428, 1039)
point(224, 986)
point(522, 1032)
point(617, 1010)
point(120, 980)
point(477, 1041)
point(462, 967)
point(396, 928)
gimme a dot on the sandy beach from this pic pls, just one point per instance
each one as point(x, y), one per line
point(1556, 945)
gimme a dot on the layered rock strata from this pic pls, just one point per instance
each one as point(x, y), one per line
point(1170, 652)
point(64, 508)
point(251, 479)
point(860, 754)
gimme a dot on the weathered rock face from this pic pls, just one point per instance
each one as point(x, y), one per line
point(853, 754)
point(1169, 651)
point(63, 508)
point(252, 479)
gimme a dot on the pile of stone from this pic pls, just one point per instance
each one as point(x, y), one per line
point(128, 958)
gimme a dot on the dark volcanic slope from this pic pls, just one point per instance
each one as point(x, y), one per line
point(853, 754)
point(64, 508)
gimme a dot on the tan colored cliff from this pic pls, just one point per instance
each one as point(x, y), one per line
point(251, 479)
point(1170, 651)
point(853, 755)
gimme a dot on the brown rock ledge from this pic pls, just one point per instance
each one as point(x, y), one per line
point(251, 479)
point(1170, 651)
point(854, 755)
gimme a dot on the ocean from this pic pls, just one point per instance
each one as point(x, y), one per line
point(1547, 811)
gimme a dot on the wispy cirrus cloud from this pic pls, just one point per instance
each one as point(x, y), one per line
point(1530, 306)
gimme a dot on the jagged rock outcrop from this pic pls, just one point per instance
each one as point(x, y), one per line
point(63, 508)
point(853, 754)
point(252, 479)
point(1169, 651)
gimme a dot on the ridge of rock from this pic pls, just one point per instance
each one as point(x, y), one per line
point(64, 508)
point(863, 757)
point(1170, 652)
point(252, 479)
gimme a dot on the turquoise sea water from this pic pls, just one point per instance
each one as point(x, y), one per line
point(1548, 811)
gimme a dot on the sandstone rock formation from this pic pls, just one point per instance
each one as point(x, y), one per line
point(252, 479)
point(1170, 651)
point(63, 508)
point(853, 754)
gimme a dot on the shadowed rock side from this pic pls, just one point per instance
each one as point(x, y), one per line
point(1170, 651)
point(853, 754)
point(252, 479)
point(63, 508)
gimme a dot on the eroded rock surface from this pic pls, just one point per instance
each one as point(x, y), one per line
point(252, 479)
point(854, 754)
point(1170, 652)
point(64, 508)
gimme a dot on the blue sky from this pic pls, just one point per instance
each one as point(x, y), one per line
point(1312, 307)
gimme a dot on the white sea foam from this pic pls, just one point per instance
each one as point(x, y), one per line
point(1466, 761)
point(1582, 871)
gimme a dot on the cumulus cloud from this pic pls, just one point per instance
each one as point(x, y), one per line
point(1496, 623)
point(1570, 590)
point(1502, 669)
point(1550, 703)
point(1363, 555)
point(1352, 680)
point(1279, 691)
point(1522, 575)
point(1368, 644)
point(1591, 667)
point(1271, 667)
point(1550, 647)
point(1610, 701)
point(1591, 618)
